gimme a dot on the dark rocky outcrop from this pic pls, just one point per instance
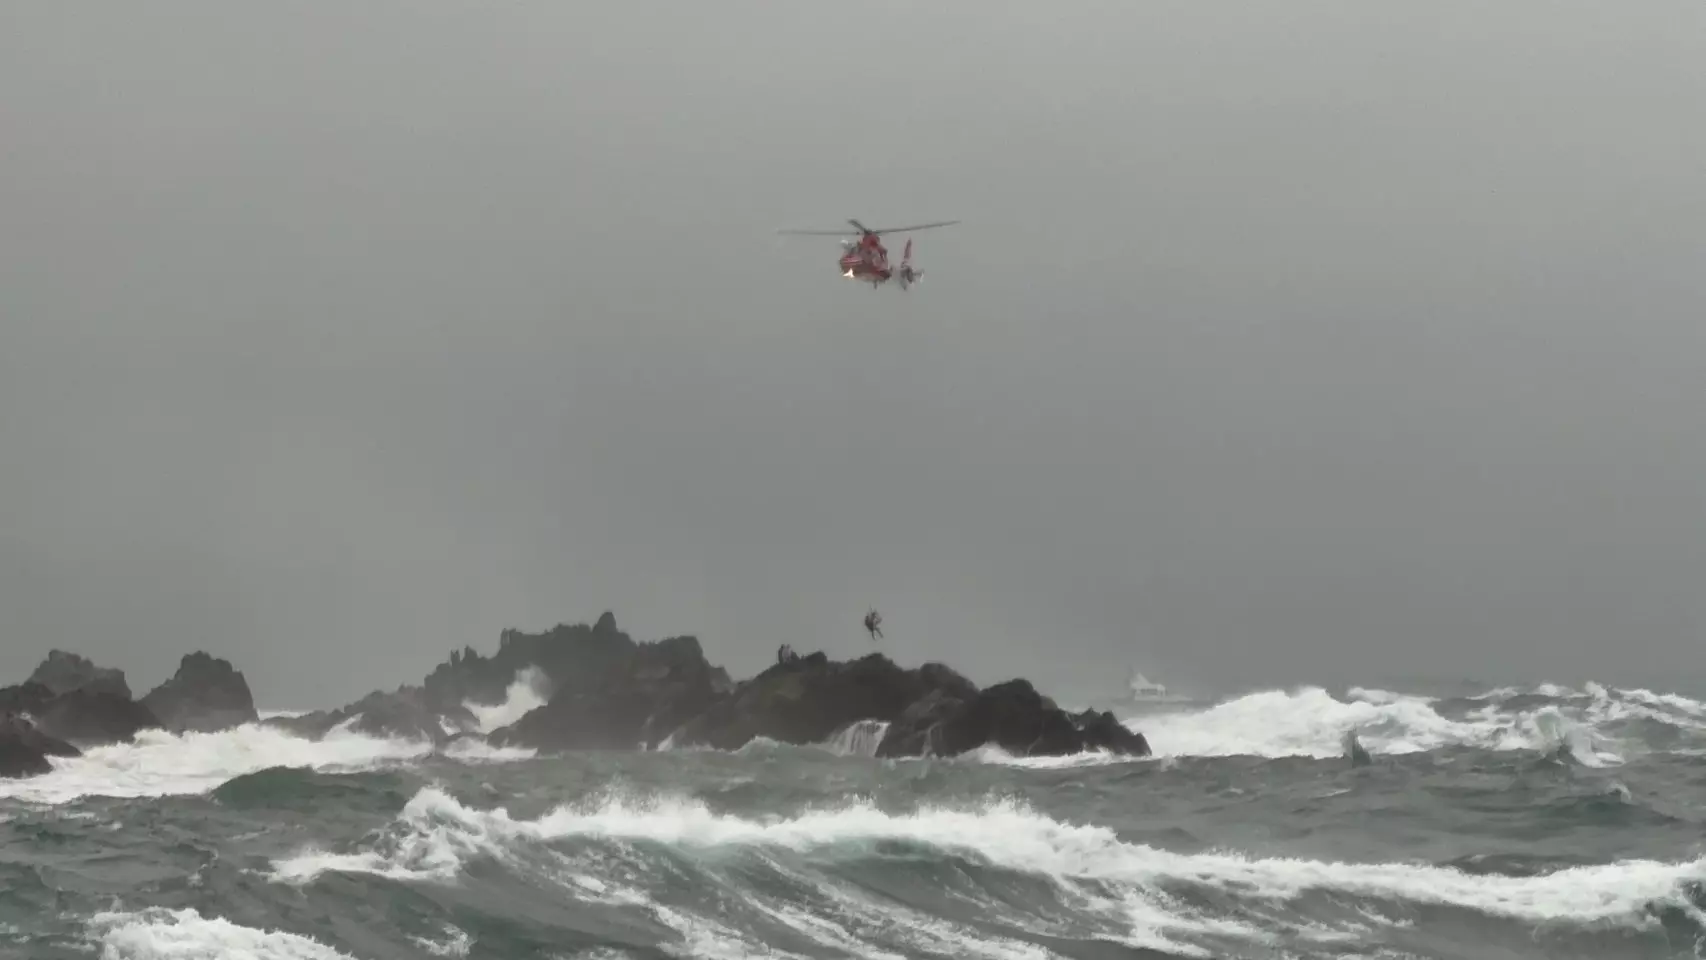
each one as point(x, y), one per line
point(574, 657)
point(930, 710)
point(1012, 716)
point(805, 700)
point(24, 749)
point(608, 692)
point(68, 698)
point(91, 717)
point(27, 697)
point(633, 704)
point(206, 694)
point(63, 672)
point(603, 690)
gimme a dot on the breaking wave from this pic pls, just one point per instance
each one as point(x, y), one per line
point(161, 764)
point(528, 691)
point(1595, 725)
point(992, 869)
point(160, 934)
point(1222, 845)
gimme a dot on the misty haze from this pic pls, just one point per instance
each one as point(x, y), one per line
point(1301, 343)
point(1326, 364)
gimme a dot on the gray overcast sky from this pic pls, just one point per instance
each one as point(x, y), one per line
point(1317, 341)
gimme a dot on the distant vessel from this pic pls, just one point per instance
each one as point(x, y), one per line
point(1144, 692)
point(1144, 689)
point(1140, 696)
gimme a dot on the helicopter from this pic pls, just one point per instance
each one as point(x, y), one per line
point(865, 259)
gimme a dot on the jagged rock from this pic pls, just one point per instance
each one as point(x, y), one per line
point(1012, 716)
point(71, 699)
point(608, 692)
point(633, 705)
point(1104, 731)
point(206, 694)
point(807, 699)
point(573, 659)
point(575, 656)
point(63, 672)
point(24, 749)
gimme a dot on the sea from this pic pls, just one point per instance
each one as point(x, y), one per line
point(1545, 822)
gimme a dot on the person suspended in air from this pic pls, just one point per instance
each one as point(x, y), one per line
point(873, 625)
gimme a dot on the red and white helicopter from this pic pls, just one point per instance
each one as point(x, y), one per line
point(867, 260)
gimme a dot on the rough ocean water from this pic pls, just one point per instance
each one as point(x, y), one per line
point(1545, 822)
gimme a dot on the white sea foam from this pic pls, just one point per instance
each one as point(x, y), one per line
point(1310, 722)
point(993, 754)
point(455, 943)
point(1587, 723)
point(528, 691)
point(160, 934)
point(162, 764)
point(470, 750)
point(282, 714)
point(436, 835)
point(860, 738)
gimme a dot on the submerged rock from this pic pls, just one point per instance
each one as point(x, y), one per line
point(405, 713)
point(206, 694)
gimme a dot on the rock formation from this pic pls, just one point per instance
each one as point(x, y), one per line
point(594, 674)
point(91, 717)
point(63, 672)
point(70, 699)
point(806, 699)
point(634, 702)
point(1010, 715)
point(931, 710)
point(609, 692)
point(206, 694)
point(605, 691)
point(26, 698)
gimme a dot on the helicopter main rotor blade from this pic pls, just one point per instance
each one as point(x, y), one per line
point(863, 229)
point(917, 226)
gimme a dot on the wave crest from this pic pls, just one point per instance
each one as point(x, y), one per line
point(1156, 896)
point(1595, 725)
point(160, 764)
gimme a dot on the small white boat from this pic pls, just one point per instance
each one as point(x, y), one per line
point(1142, 688)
